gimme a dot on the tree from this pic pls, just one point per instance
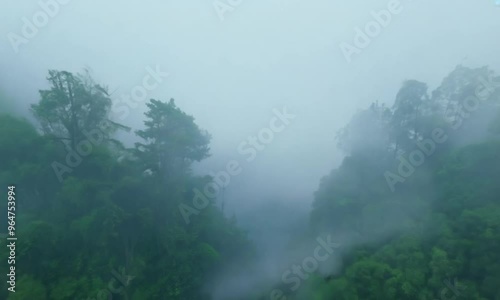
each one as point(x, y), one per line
point(172, 140)
point(366, 131)
point(72, 106)
point(463, 83)
point(408, 108)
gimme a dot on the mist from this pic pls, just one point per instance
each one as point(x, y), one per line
point(235, 68)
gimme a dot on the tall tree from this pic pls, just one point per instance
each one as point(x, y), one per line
point(462, 83)
point(408, 108)
point(73, 104)
point(366, 131)
point(172, 140)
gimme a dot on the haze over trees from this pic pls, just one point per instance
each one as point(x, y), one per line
point(415, 204)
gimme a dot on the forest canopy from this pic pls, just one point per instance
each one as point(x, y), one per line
point(415, 203)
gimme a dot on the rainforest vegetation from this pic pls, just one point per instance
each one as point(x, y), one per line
point(414, 206)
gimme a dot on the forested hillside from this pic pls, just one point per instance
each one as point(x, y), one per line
point(95, 219)
point(414, 206)
point(418, 195)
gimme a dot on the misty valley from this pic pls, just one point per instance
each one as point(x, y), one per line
point(224, 151)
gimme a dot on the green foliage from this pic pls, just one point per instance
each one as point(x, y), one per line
point(28, 288)
point(111, 227)
point(444, 220)
point(72, 106)
point(107, 217)
point(172, 139)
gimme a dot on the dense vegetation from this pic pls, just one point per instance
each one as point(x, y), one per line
point(415, 203)
point(433, 233)
point(87, 215)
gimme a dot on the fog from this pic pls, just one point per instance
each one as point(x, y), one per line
point(232, 75)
